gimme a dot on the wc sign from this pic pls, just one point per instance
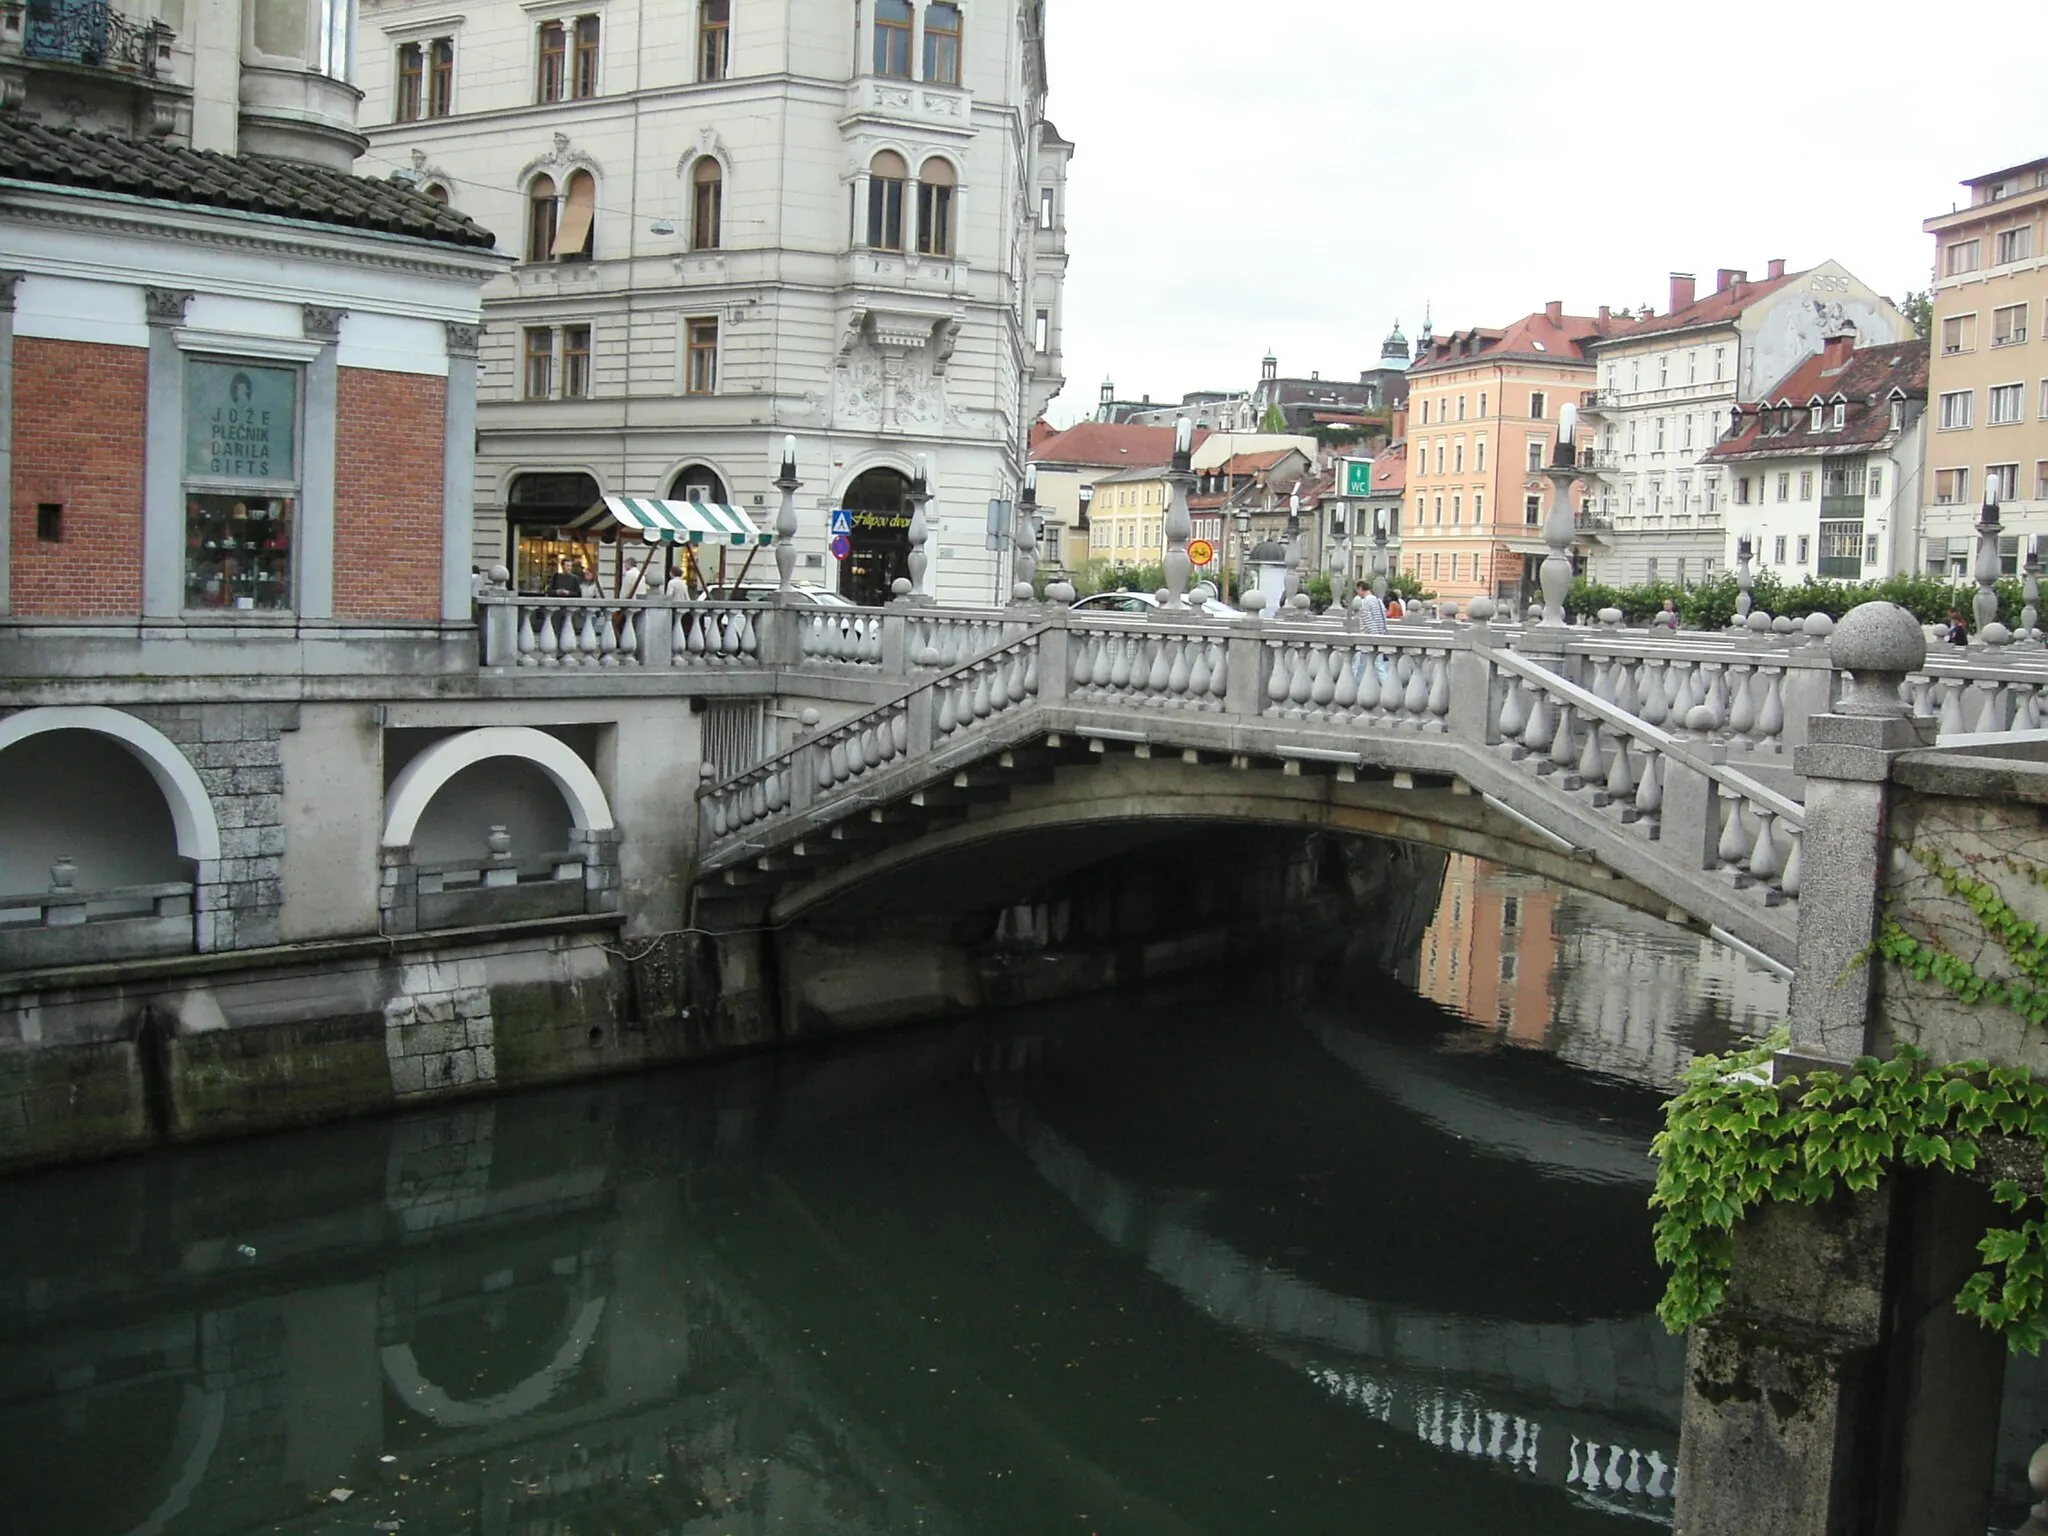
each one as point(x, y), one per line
point(1357, 478)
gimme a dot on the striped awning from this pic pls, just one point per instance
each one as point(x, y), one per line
point(677, 522)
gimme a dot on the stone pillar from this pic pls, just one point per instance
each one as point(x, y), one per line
point(398, 891)
point(458, 472)
point(163, 499)
point(315, 533)
point(7, 284)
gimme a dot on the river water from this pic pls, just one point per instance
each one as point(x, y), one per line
point(1262, 1250)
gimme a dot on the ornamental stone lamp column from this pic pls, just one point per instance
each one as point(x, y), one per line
point(1294, 549)
point(1988, 530)
point(1563, 473)
point(785, 521)
point(2030, 596)
point(1179, 527)
point(1379, 552)
point(920, 497)
point(1024, 538)
point(1744, 547)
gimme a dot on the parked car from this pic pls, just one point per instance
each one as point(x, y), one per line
point(1145, 602)
point(764, 592)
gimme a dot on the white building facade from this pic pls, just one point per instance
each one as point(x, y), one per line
point(1659, 508)
point(735, 221)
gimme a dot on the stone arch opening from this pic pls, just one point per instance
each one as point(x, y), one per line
point(879, 500)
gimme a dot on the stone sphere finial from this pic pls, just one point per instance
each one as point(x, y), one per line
point(1061, 592)
point(1759, 623)
point(501, 577)
point(1880, 643)
point(1818, 626)
point(1480, 609)
point(900, 586)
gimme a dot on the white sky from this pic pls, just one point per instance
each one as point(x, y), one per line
point(1297, 173)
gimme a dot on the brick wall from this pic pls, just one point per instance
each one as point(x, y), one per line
point(387, 495)
point(79, 412)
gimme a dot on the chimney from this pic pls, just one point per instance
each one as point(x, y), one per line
point(1728, 277)
point(1681, 291)
point(1401, 422)
point(1606, 314)
point(1776, 268)
point(1834, 352)
point(1554, 310)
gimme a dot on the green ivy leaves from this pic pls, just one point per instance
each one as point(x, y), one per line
point(1733, 1139)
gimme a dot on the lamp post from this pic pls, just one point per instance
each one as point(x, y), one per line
point(785, 520)
point(920, 497)
point(1294, 550)
point(1745, 548)
point(1243, 519)
point(1178, 526)
point(1025, 538)
point(1379, 552)
point(2030, 594)
point(1988, 530)
point(1563, 473)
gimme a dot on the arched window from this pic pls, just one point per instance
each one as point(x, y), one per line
point(436, 191)
point(942, 43)
point(542, 214)
point(707, 204)
point(575, 239)
point(936, 185)
point(697, 482)
point(886, 175)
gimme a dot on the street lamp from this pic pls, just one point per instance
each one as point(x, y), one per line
point(1563, 473)
point(1025, 537)
point(1379, 552)
point(785, 520)
point(1178, 526)
point(1745, 549)
point(1243, 519)
point(1294, 551)
point(920, 532)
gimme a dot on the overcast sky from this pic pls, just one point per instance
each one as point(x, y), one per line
point(1297, 173)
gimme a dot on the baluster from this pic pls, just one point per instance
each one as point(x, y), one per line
point(1789, 882)
point(528, 646)
point(980, 704)
point(550, 640)
point(1105, 661)
point(1278, 682)
point(1741, 707)
point(1690, 693)
point(1603, 679)
point(1591, 767)
point(629, 639)
point(1084, 661)
point(1656, 707)
point(1991, 713)
point(2030, 709)
point(1198, 676)
point(1542, 727)
point(1625, 687)
point(607, 642)
point(1125, 648)
point(1952, 708)
point(1322, 686)
point(1621, 779)
point(1765, 861)
point(1770, 719)
point(700, 639)
point(1717, 694)
point(1439, 701)
point(842, 765)
point(1350, 664)
point(1649, 792)
point(1158, 674)
point(1563, 742)
point(949, 708)
point(1219, 673)
point(1514, 712)
point(1371, 696)
point(1180, 676)
point(1735, 839)
point(591, 620)
point(1031, 669)
point(1300, 680)
point(1923, 703)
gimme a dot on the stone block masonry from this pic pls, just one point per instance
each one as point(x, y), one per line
point(438, 1030)
point(387, 495)
point(79, 413)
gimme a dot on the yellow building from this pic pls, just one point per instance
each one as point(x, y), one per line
point(1071, 464)
point(1127, 522)
point(1987, 385)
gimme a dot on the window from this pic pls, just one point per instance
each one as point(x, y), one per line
point(886, 176)
point(2015, 244)
point(1656, 497)
point(1041, 330)
point(1688, 430)
point(576, 362)
point(2003, 479)
point(412, 65)
point(1457, 509)
point(1663, 371)
point(935, 184)
point(1742, 490)
point(1955, 409)
point(1479, 506)
point(714, 39)
point(1461, 407)
point(1784, 485)
point(892, 38)
point(553, 53)
point(1535, 450)
point(707, 204)
point(1456, 559)
point(1898, 415)
point(1805, 547)
point(540, 362)
point(1482, 407)
point(240, 483)
point(1439, 511)
point(1719, 357)
point(1806, 485)
point(1532, 510)
point(1951, 486)
point(1045, 207)
point(942, 43)
point(1436, 567)
point(585, 79)
point(1960, 258)
point(1458, 457)
point(1713, 495)
point(575, 237)
point(1778, 550)
point(1650, 569)
point(542, 214)
point(1870, 550)
point(2041, 480)
point(1841, 415)
point(49, 522)
point(1657, 434)
point(1958, 334)
point(2009, 325)
point(2008, 403)
point(1815, 418)
point(1692, 367)
point(1480, 449)
point(1537, 405)
point(1425, 413)
point(702, 375)
point(1439, 456)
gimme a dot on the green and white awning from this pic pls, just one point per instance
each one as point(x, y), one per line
point(677, 522)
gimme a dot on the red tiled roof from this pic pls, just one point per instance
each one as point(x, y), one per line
point(1865, 379)
point(1715, 308)
point(1253, 463)
point(1390, 470)
point(1098, 444)
point(1560, 338)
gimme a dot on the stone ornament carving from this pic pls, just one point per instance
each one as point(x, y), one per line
point(856, 330)
point(319, 323)
point(890, 96)
point(947, 105)
point(8, 280)
point(165, 306)
point(462, 339)
point(945, 337)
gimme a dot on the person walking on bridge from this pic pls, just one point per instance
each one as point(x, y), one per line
point(1373, 613)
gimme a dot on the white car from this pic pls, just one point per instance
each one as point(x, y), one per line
point(764, 592)
point(1146, 602)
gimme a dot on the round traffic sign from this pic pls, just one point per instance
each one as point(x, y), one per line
point(841, 546)
point(1201, 552)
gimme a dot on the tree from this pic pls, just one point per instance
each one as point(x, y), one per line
point(1273, 422)
point(1918, 307)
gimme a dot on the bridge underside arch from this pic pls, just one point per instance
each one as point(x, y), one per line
point(1126, 801)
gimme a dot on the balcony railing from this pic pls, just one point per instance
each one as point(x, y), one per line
point(90, 33)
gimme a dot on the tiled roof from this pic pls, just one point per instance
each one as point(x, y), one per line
point(1101, 445)
point(1255, 463)
point(1865, 378)
point(1555, 338)
point(1715, 308)
point(104, 162)
point(1390, 470)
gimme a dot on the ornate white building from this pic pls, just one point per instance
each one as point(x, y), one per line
point(736, 220)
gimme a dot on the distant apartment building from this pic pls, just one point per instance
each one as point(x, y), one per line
point(1220, 410)
point(1823, 471)
point(1484, 408)
point(1665, 389)
point(1071, 464)
point(1988, 377)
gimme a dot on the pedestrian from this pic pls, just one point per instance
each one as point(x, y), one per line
point(1396, 609)
point(1958, 631)
point(564, 582)
point(1667, 617)
point(635, 585)
point(1371, 610)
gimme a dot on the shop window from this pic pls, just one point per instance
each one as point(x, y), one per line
point(942, 43)
point(707, 204)
point(540, 508)
point(935, 187)
point(241, 483)
point(714, 39)
point(702, 365)
point(887, 174)
point(893, 22)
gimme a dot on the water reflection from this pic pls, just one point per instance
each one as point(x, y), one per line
point(1161, 1263)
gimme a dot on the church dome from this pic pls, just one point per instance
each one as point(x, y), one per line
point(1395, 347)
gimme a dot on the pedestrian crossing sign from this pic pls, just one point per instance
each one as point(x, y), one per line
point(842, 522)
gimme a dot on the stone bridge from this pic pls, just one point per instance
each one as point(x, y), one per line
point(1659, 772)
